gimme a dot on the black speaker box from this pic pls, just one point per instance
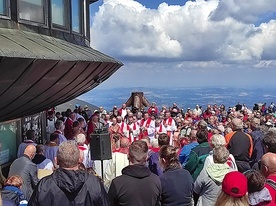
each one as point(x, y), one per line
point(100, 146)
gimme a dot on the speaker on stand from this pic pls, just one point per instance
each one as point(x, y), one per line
point(100, 147)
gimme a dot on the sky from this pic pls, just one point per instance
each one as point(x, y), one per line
point(178, 43)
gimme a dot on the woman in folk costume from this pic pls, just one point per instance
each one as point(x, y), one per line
point(115, 133)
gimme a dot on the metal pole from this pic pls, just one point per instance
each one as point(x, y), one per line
point(102, 169)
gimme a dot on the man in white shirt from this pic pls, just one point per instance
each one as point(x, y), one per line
point(134, 129)
point(170, 126)
point(123, 111)
point(147, 126)
point(117, 163)
point(197, 110)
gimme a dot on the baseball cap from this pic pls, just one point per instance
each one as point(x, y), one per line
point(235, 184)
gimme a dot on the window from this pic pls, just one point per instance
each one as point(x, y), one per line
point(86, 20)
point(3, 7)
point(9, 131)
point(32, 10)
point(59, 13)
point(76, 16)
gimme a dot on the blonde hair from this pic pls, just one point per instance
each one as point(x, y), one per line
point(218, 140)
point(227, 200)
point(80, 139)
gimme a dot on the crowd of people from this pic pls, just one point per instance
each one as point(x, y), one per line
point(168, 156)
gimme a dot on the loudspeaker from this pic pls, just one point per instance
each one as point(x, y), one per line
point(100, 146)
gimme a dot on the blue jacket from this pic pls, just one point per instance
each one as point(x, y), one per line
point(185, 152)
point(12, 195)
point(153, 164)
point(177, 187)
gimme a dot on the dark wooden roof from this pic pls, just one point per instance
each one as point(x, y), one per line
point(38, 72)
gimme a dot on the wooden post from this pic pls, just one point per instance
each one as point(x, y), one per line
point(138, 101)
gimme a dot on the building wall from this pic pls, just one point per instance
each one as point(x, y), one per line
point(64, 19)
point(13, 132)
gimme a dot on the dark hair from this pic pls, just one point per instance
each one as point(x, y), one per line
point(138, 151)
point(53, 136)
point(30, 134)
point(80, 119)
point(170, 155)
point(76, 124)
point(255, 181)
point(68, 112)
point(202, 135)
point(163, 139)
point(145, 112)
point(50, 112)
point(269, 140)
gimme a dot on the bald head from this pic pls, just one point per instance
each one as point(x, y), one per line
point(268, 163)
point(30, 151)
point(237, 124)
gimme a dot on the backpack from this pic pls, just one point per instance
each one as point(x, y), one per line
point(13, 196)
point(200, 165)
point(184, 132)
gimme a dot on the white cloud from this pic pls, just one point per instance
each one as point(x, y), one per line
point(129, 31)
point(191, 45)
point(245, 11)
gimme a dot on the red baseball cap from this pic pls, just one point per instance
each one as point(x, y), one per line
point(235, 184)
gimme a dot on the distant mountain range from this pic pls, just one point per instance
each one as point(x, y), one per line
point(72, 104)
point(184, 97)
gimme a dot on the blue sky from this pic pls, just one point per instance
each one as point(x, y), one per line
point(153, 4)
point(180, 43)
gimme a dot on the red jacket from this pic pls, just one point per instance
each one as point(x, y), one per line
point(68, 129)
